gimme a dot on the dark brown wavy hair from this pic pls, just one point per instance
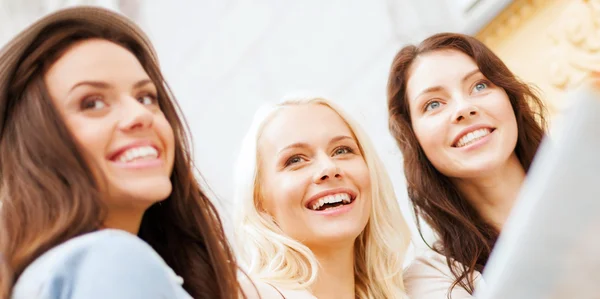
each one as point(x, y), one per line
point(48, 193)
point(464, 236)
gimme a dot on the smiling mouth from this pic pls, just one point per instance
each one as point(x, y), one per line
point(137, 154)
point(472, 137)
point(332, 201)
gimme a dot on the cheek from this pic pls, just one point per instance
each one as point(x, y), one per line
point(166, 134)
point(504, 113)
point(283, 194)
point(431, 135)
point(92, 135)
point(508, 113)
point(512, 127)
point(361, 177)
point(498, 104)
point(364, 178)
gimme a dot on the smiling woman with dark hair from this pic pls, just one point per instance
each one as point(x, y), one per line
point(98, 193)
point(468, 130)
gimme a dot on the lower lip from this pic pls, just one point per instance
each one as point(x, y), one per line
point(477, 144)
point(337, 210)
point(140, 164)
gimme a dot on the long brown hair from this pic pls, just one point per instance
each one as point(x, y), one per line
point(464, 236)
point(48, 194)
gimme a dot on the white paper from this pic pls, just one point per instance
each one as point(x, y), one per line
point(550, 246)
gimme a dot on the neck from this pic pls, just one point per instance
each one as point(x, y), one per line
point(494, 195)
point(336, 273)
point(128, 220)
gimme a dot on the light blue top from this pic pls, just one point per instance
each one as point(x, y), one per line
point(104, 264)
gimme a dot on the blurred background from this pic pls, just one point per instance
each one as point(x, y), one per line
point(225, 58)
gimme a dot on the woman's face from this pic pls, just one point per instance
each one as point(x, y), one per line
point(313, 178)
point(464, 123)
point(110, 105)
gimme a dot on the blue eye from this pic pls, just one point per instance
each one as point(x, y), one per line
point(342, 150)
point(480, 86)
point(432, 105)
point(293, 160)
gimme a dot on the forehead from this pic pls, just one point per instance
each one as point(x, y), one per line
point(312, 123)
point(439, 67)
point(95, 59)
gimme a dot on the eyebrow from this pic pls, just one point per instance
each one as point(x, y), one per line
point(305, 145)
point(104, 85)
point(439, 88)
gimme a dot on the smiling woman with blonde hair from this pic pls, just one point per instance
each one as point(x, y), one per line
point(315, 206)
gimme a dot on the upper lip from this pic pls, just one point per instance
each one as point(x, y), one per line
point(115, 153)
point(468, 130)
point(317, 196)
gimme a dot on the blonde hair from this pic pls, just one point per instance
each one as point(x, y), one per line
point(272, 256)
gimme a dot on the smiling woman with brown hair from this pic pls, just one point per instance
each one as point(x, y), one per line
point(468, 130)
point(98, 194)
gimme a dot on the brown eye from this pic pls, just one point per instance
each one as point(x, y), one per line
point(93, 103)
point(147, 99)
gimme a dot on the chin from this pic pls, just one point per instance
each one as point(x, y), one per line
point(475, 172)
point(147, 190)
point(337, 236)
point(476, 167)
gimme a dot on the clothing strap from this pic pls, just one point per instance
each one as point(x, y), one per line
point(276, 289)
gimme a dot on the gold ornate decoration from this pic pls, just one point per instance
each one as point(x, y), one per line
point(510, 19)
point(575, 44)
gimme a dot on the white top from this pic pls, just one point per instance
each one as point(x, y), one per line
point(257, 289)
point(428, 277)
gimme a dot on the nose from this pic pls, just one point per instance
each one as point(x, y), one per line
point(135, 115)
point(328, 170)
point(464, 109)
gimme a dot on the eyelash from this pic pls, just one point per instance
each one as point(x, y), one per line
point(485, 82)
point(151, 95)
point(348, 150)
point(90, 100)
point(289, 161)
point(426, 107)
point(95, 98)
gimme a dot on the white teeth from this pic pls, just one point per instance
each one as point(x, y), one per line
point(334, 198)
point(138, 153)
point(472, 137)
